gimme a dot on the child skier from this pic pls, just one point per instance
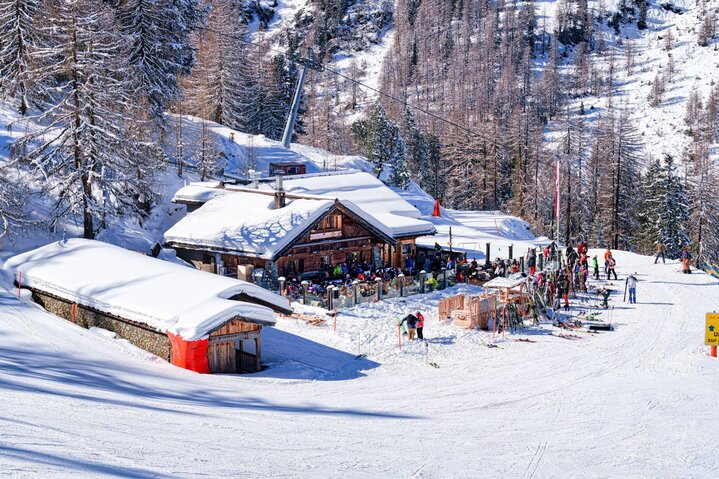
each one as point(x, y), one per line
point(610, 268)
point(595, 265)
point(420, 325)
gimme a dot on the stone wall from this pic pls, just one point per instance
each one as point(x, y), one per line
point(153, 341)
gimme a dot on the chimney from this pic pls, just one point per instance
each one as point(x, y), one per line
point(279, 194)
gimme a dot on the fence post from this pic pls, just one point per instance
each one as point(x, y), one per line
point(330, 297)
point(379, 289)
point(521, 264)
point(487, 252)
point(282, 280)
point(355, 284)
point(511, 251)
point(422, 278)
point(444, 277)
point(19, 283)
point(540, 261)
point(304, 284)
point(400, 277)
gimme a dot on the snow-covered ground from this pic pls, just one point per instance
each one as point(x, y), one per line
point(635, 402)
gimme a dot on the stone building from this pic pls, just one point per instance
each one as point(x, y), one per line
point(199, 321)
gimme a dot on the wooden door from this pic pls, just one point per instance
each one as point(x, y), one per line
point(221, 357)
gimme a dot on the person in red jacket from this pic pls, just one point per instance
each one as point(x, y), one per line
point(420, 325)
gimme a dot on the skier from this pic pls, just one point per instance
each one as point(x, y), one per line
point(632, 284)
point(607, 255)
point(660, 252)
point(595, 265)
point(686, 261)
point(610, 268)
point(420, 325)
point(411, 321)
point(531, 261)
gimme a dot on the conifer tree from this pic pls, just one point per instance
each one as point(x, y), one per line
point(160, 51)
point(673, 212)
point(222, 87)
point(85, 155)
point(18, 41)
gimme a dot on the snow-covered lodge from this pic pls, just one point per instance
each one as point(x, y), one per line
point(199, 321)
point(295, 226)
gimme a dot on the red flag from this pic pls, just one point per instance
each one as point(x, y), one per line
point(436, 209)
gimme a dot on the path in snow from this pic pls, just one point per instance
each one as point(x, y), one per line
point(636, 402)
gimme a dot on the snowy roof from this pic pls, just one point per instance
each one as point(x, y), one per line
point(198, 192)
point(165, 296)
point(247, 222)
point(367, 192)
point(362, 189)
point(511, 282)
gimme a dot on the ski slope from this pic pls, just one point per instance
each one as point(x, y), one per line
point(636, 402)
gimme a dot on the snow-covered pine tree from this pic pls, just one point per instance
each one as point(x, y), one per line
point(160, 51)
point(642, 18)
point(648, 233)
point(703, 201)
point(366, 133)
point(18, 39)
point(381, 142)
point(707, 29)
point(626, 165)
point(417, 148)
point(468, 169)
point(673, 211)
point(208, 157)
point(434, 177)
point(619, 151)
point(12, 200)
point(399, 174)
point(693, 109)
point(657, 92)
point(711, 115)
point(85, 156)
point(277, 81)
point(572, 153)
point(222, 86)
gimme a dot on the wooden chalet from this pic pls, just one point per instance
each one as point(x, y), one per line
point(198, 321)
point(300, 227)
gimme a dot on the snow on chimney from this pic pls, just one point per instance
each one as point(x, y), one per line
point(279, 194)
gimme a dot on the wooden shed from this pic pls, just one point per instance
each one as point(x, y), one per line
point(195, 320)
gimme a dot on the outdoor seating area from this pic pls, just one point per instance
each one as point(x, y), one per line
point(470, 311)
point(375, 284)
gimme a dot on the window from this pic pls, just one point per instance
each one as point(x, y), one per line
point(332, 222)
point(407, 248)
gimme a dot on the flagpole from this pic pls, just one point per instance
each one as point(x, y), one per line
point(556, 196)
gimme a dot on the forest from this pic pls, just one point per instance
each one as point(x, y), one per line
point(479, 101)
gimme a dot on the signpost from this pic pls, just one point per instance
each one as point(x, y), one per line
point(712, 332)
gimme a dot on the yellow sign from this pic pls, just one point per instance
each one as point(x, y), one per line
point(712, 329)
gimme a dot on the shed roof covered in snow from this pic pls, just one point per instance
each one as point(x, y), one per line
point(362, 189)
point(246, 221)
point(165, 296)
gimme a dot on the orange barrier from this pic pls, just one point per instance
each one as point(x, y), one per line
point(190, 355)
